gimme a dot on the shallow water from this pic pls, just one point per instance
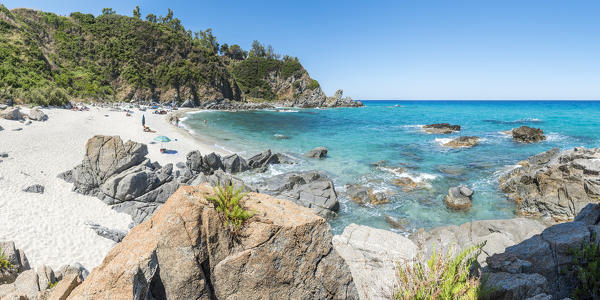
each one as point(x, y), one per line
point(390, 131)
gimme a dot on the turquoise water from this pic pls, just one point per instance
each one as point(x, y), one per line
point(389, 131)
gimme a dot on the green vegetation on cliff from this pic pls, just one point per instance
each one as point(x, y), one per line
point(49, 59)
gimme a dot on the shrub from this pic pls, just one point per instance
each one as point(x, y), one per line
point(5, 265)
point(586, 268)
point(313, 84)
point(441, 277)
point(227, 202)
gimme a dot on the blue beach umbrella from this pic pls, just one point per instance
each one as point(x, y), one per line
point(162, 139)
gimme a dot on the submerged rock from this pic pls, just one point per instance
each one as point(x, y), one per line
point(558, 184)
point(441, 128)
point(407, 183)
point(319, 152)
point(463, 142)
point(185, 252)
point(525, 134)
point(458, 198)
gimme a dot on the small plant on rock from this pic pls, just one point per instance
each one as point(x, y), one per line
point(5, 265)
point(586, 270)
point(441, 277)
point(227, 202)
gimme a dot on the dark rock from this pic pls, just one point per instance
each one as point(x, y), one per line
point(319, 152)
point(105, 232)
point(194, 161)
point(11, 113)
point(526, 134)
point(234, 164)
point(441, 128)
point(309, 189)
point(180, 165)
point(66, 176)
point(212, 162)
point(36, 188)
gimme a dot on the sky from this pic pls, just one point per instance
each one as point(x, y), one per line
point(463, 50)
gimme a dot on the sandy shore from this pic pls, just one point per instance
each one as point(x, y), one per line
point(49, 227)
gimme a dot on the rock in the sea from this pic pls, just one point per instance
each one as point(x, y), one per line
point(463, 142)
point(525, 134)
point(111, 234)
point(373, 256)
point(36, 188)
point(37, 114)
point(441, 128)
point(310, 189)
point(544, 262)
point(407, 183)
point(558, 184)
point(459, 198)
point(11, 113)
point(397, 223)
point(319, 152)
point(262, 160)
point(338, 100)
point(363, 195)
point(185, 252)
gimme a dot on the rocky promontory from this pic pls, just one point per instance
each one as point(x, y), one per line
point(556, 184)
point(525, 134)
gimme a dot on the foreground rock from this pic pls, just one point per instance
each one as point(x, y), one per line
point(19, 281)
point(499, 234)
point(542, 263)
point(526, 134)
point(372, 255)
point(310, 189)
point(459, 198)
point(184, 252)
point(441, 128)
point(553, 183)
point(319, 152)
point(463, 142)
point(11, 113)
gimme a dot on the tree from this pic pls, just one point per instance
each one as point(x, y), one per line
point(258, 50)
point(151, 18)
point(236, 52)
point(136, 13)
point(167, 19)
point(208, 41)
point(224, 49)
point(271, 53)
point(108, 11)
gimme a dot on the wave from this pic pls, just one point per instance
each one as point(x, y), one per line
point(442, 141)
point(519, 121)
point(419, 177)
point(554, 136)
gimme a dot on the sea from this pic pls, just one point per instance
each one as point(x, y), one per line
point(384, 140)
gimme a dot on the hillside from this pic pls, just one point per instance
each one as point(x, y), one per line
point(50, 59)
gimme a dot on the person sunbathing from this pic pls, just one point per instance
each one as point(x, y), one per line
point(147, 129)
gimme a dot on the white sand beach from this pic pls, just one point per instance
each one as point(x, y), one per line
point(50, 227)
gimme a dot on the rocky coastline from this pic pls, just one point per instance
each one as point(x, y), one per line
point(176, 246)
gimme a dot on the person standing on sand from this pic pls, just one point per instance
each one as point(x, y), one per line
point(176, 121)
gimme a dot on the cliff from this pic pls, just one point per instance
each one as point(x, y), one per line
point(49, 59)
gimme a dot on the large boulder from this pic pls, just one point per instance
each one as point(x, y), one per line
point(373, 256)
point(37, 114)
point(499, 234)
point(553, 183)
point(525, 134)
point(463, 142)
point(319, 152)
point(310, 189)
point(18, 260)
point(234, 164)
point(459, 198)
point(441, 128)
point(11, 113)
point(212, 162)
point(184, 251)
point(545, 257)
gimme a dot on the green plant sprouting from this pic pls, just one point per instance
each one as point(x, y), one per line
point(227, 202)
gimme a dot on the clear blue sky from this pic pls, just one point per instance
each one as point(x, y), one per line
point(406, 49)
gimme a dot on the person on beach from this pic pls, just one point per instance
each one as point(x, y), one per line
point(177, 121)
